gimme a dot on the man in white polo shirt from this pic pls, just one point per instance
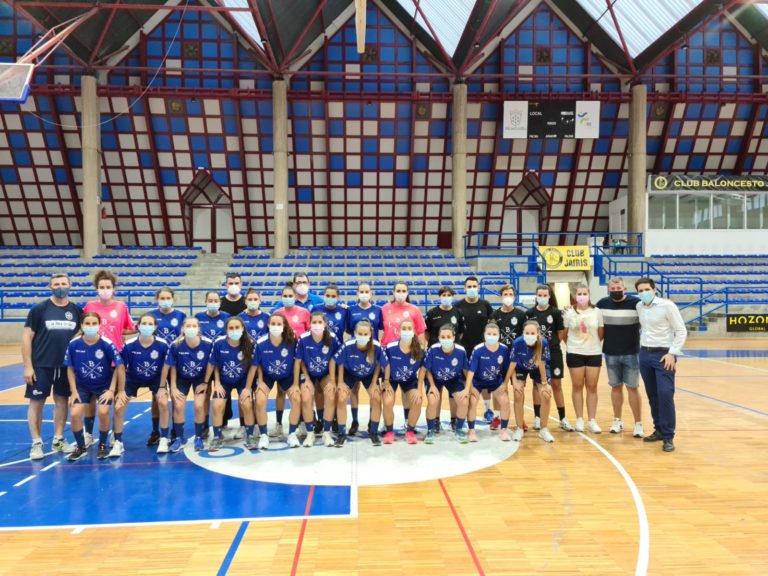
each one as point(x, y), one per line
point(662, 336)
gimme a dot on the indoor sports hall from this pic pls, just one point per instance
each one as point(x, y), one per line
point(383, 287)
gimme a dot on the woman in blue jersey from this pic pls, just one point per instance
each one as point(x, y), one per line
point(335, 315)
point(187, 362)
point(405, 357)
point(530, 357)
point(94, 370)
point(169, 322)
point(359, 361)
point(487, 371)
point(275, 354)
point(314, 360)
point(211, 325)
point(144, 360)
point(231, 360)
point(363, 310)
point(445, 366)
point(254, 319)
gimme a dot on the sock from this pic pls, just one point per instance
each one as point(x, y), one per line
point(342, 428)
point(156, 425)
point(487, 404)
point(431, 423)
point(279, 414)
point(207, 422)
point(537, 410)
point(40, 440)
point(118, 436)
point(326, 425)
point(199, 427)
point(79, 438)
point(249, 430)
point(242, 422)
point(406, 411)
point(320, 415)
point(103, 435)
point(262, 429)
point(178, 429)
point(459, 423)
point(411, 428)
point(89, 424)
point(453, 420)
point(217, 432)
point(561, 412)
point(374, 427)
point(504, 424)
point(471, 424)
point(354, 414)
point(164, 432)
point(390, 427)
point(292, 428)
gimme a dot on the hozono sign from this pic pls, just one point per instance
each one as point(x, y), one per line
point(747, 323)
point(713, 183)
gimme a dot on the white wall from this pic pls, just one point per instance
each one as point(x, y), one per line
point(706, 242)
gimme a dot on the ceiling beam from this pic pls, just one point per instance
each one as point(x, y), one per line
point(318, 12)
point(446, 56)
point(264, 37)
point(119, 6)
point(627, 55)
point(103, 35)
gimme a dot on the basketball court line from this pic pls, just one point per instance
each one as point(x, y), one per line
point(300, 541)
point(225, 564)
point(464, 535)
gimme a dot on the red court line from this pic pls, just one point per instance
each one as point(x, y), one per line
point(297, 555)
point(463, 532)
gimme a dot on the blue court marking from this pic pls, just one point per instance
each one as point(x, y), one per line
point(718, 400)
point(232, 549)
point(11, 376)
point(726, 353)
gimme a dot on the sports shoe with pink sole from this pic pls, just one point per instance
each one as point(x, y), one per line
point(504, 435)
point(388, 438)
point(472, 435)
point(410, 437)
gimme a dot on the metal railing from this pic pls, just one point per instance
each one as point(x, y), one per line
point(720, 299)
point(503, 244)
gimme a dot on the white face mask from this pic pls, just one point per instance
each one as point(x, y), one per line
point(275, 330)
point(105, 293)
point(302, 289)
point(508, 301)
point(233, 290)
point(400, 297)
point(364, 298)
point(252, 304)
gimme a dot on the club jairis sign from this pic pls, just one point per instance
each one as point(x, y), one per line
point(566, 258)
point(711, 183)
point(746, 323)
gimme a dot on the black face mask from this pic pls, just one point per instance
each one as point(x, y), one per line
point(617, 296)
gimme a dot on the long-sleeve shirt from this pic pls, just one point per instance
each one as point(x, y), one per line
point(661, 325)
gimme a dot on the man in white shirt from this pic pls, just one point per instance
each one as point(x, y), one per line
point(662, 336)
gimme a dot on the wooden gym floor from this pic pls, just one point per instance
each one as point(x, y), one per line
point(588, 504)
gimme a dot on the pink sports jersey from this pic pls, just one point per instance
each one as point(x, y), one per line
point(392, 314)
point(298, 319)
point(114, 319)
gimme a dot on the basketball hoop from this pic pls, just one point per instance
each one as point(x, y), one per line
point(14, 81)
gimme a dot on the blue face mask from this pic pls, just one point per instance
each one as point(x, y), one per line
point(362, 340)
point(288, 301)
point(647, 296)
point(406, 335)
point(165, 304)
point(530, 339)
point(446, 301)
point(146, 329)
point(490, 339)
point(473, 292)
point(542, 301)
point(90, 331)
point(330, 302)
point(234, 334)
point(61, 292)
point(213, 307)
point(446, 344)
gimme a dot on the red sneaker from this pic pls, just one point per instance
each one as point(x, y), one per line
point(389, 438)
point(410, 437)
point(495, 423)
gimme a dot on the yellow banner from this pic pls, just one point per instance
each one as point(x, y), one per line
point(566, 258)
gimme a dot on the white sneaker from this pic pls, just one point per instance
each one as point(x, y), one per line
point(537, 423)
point(88, 440)
point(36, 452)
point(61, 445)
point(117, 449)
point(263, 442)
point(545, 435)
point(593, 427)
point(309, 441)
point(566, 425)
point(617, 426)
point(239, 434)
point(276, 432)
point(579, 425)
point(328, 439)
point(162, 446)
point(638, 432)
point(518, 434)
point(293, 440)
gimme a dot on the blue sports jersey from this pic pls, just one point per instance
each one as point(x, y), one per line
point(256, 326)
point(522, 355)
point(402, 368)
point(144, 364)
point(355, 361)
point(446, 367)
point(210, 327)
point(168, 325)
point(313, 300)
point(372, 314)
point(233, 367)
point(316, 356)
point(92, 362)
point(336, 318)
point(190, 363)
point(489, 368)
point(276, 361)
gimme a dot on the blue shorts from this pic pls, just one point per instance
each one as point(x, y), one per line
point(405, 386)
point(87, 394)
point(132, 387)
point(623, 370)
point(350, 381)
point(522, 375)
point(315, 381)
point(490, 386)
point(283, 384)
point(184, 386)
point(453, 386)
point(228, 387)
point(47, 379)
